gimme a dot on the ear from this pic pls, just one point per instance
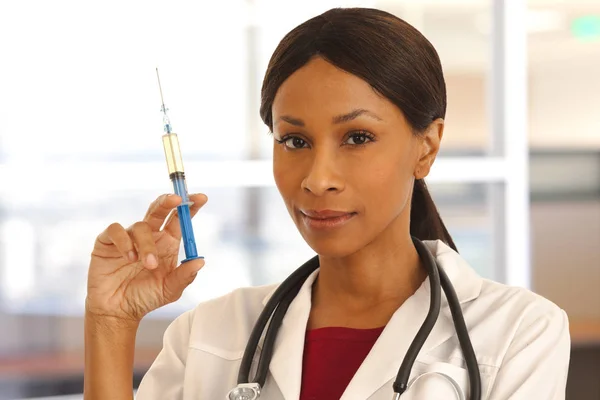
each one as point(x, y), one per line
point(429, 147)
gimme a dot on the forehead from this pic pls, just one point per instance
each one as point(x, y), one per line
point(320, 88)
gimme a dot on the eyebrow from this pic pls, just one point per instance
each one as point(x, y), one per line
point(352, 115)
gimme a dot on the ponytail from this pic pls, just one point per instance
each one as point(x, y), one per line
point(425, 220)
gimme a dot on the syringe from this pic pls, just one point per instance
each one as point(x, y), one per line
point(177, 175)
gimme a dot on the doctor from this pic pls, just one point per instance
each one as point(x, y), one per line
point(355, 100)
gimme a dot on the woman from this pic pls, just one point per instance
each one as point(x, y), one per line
point(355, 100)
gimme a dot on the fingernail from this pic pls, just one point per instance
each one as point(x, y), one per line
point(151, 260)
point(132, 257)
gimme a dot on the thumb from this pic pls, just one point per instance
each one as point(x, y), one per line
point(180, 278)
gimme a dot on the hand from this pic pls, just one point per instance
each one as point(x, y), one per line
point(134, 271)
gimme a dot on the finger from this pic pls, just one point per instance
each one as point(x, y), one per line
point(142, 237)
point(180, 278)
point(116, 235)
point(159, 209)
point(172, 225)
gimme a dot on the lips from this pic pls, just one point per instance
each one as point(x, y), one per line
point(325, 214)
point(325, 220)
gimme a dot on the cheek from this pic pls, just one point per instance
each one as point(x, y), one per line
point(389, 181)
point(278, 173)
point(283, 173)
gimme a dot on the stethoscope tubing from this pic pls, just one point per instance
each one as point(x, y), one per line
point(401, 383)
point(463, 336)
point(278, 304)
point(296, 279)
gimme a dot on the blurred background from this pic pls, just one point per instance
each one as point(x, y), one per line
point(518, 180)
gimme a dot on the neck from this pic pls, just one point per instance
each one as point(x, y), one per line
point(364, 289)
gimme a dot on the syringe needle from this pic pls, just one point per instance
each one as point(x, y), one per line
point(166, 120)
point(160, 88)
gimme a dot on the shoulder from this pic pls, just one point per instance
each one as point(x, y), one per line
point(492, 308)
point(502, 319)
point(238, 302)
point(502, 308)
point(523, 342)
point(518, 305)
point(511, 320)
point(226, 321)
point(207, 341)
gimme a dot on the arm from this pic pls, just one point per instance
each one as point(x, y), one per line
point(109, 350)
point(537, 361)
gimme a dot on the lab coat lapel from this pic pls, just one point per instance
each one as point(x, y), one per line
point(384, 359)
point(382, 363)
point(286, 364)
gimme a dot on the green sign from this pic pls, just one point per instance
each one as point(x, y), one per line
point(586, 27)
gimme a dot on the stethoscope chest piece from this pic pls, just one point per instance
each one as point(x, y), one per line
point(459, 393)
point(245, 391)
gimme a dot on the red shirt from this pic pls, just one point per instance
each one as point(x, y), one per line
point(331, 358)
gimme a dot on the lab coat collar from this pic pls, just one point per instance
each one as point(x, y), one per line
point(466, 282)
point(382, 363)
point(286, 364)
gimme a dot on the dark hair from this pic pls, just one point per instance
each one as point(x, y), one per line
point(389, 54)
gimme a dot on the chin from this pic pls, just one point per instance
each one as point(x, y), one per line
point(334, 241)
point(332, 247)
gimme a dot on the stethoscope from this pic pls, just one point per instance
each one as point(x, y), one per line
point(281, 299)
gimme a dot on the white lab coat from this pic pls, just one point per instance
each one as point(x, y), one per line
point(521, 341)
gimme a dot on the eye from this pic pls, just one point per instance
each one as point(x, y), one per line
point(293, 142)
point(359, 138)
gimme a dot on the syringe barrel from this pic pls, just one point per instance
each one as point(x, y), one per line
point(172, 153)
point(185, 218)
point(177, 175)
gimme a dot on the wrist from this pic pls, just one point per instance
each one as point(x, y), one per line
point(107, 324)
point(109, 356)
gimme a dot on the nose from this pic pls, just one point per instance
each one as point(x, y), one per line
point(323, 175)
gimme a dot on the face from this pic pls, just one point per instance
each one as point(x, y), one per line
point(344, 159)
